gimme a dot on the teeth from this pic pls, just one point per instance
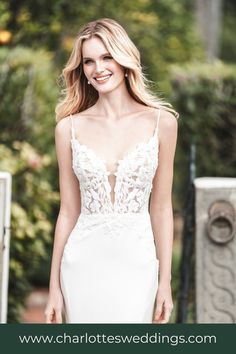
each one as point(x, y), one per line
point(102, 78)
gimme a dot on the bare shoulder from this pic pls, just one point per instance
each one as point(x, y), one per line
point(168, 130)
point(62, 129)
point(168, 123)
point(168, 120)
point(86, 113)
point(82, 118)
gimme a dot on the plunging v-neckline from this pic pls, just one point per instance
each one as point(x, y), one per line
point(120, 161)
point(154, 138)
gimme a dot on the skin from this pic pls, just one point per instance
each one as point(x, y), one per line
point(108, 128)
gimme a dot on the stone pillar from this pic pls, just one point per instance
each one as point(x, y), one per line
point(215, 250)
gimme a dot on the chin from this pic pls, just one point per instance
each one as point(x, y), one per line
point(106, 90)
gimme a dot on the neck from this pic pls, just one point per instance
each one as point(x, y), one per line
point(116, 103)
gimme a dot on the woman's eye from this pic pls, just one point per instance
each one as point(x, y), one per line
point(88, 61)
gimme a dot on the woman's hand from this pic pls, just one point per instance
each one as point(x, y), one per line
point(164, 304)
point(53, 311)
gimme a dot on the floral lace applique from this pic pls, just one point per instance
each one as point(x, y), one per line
point(134, 176)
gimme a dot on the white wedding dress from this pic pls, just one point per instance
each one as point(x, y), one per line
point(109, 268)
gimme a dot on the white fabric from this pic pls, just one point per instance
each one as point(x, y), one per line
point(109, 268)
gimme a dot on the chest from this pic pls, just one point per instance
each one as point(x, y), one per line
point(131, 179)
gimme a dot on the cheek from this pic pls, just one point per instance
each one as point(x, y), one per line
point(118, 71)
point(116, 68)
point(87, 70)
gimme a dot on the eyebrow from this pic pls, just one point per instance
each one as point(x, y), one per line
point(100, 56)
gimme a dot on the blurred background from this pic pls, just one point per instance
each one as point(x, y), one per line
point(188, 50)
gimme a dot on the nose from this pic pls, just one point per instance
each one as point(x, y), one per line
point(99, 67)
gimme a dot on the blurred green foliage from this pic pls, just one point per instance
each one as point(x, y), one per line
point(228, 38)
point(162, 30)
point(31, 227)
point(28, 88)
point(29, 93)
point(206, 97)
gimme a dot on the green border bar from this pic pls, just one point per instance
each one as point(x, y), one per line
point(118, 338)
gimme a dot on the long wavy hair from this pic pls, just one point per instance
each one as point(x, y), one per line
point(78, 95)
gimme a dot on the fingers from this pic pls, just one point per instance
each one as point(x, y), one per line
point(162, 312)
point(158, 312)
point(166, 313)
point(49, 316)
point(53, 316)
point(58, 316)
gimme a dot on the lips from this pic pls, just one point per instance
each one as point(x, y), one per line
point(102, 78)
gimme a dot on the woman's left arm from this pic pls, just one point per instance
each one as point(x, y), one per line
point(161, 213)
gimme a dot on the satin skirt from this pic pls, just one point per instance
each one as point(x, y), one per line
point(109, 269)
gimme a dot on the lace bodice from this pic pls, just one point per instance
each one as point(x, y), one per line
point(133, 177)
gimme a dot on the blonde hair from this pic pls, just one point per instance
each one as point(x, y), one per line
point(78, 95)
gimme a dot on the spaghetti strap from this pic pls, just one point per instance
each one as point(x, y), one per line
point(72, 127)
point(157, 122)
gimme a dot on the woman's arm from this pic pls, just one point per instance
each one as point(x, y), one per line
point(161, 212)
point(67, 217)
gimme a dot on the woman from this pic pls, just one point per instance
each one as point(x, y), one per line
point(115, 143)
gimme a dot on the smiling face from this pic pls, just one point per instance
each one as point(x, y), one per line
point(103, 72)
